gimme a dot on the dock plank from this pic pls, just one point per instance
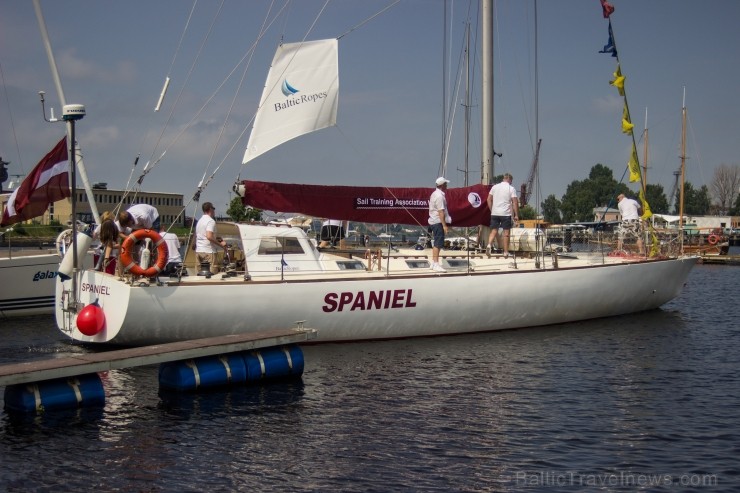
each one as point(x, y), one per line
point(721, 259)
point(34, 371)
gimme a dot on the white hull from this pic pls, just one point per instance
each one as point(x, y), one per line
point(498, 295)
point(27, 284)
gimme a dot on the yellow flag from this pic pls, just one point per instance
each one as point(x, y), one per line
point(626, 126)
point(634, 165)
point(646, 212)
point(626, 123)
point(618, 81)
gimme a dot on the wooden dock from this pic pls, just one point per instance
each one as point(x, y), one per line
point(720, 259)
point(34, 371)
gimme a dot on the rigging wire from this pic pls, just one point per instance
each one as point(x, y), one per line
point(263, 30)
point(357, 26)
point(147, 169)
point(191, 122)
point(145, 138)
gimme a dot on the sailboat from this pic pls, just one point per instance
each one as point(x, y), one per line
point(697, 236)
point(274, 276)
point(33, 275)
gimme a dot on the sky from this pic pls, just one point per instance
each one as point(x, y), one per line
point(113, 57)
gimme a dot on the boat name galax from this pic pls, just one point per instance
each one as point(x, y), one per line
point(373, 300)
point(44, 275)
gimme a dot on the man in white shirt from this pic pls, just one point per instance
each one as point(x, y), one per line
point(630, 227)
point(439, 219)
point(205, 239)
point(174, 257)
point(138, 216)
point(504, 205)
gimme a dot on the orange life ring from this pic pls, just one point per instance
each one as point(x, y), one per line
point(128, 247)
point(713, 239)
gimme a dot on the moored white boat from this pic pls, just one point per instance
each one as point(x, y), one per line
point(346, 300)
point(28, 283)
point(275, 277)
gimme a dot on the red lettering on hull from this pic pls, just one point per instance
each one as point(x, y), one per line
point(372, 300)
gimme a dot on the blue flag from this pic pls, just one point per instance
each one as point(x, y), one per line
point(610, 47)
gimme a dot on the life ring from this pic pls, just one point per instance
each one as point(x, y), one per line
point(129, 264)
point(713, 239)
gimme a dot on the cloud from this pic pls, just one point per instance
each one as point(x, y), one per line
point(101, 135)
point(74, 67)
point(608, 104)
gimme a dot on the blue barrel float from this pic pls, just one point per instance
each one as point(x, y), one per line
point(273, 363)
point(52, 395)
point(233, 369)
point(203, 373)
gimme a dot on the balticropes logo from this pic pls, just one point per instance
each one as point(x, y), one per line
point(287, 89)
point(290, 92)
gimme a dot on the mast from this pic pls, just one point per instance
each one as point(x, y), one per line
point(467, 100)
point(76, 152)
point(487, 93)
point(683, 167)
point(443, 164)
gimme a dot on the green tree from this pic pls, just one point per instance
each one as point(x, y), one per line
point(527, 212)
point(657, 199)
point(240, 213)
point(599, 190)
point(551, 210)
point(695, 202)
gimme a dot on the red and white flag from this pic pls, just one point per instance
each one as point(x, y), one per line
point(47, 183)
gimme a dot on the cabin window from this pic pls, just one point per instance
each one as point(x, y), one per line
point(418, 264)
point(458, 263)
point(279, 245)
point(350, 265)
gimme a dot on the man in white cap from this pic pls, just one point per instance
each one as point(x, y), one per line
point(439, 219)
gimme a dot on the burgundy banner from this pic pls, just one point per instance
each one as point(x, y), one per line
point(368, 204)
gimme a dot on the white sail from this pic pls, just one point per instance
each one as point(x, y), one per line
point(300, 96)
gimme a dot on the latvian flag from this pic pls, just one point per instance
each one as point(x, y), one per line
point(47, 183)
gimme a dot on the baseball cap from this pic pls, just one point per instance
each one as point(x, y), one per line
point(441, 181)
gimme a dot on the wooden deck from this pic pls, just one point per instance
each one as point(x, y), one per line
point(721, 259)
point(34, 371)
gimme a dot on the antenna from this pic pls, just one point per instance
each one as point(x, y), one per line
point(43, 109)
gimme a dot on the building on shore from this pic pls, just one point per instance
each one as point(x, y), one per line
point(169, 205)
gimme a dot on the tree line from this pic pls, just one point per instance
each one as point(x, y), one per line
point(600, 189)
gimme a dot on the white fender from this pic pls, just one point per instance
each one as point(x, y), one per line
point(83, 244)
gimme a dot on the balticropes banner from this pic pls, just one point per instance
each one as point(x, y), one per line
point(300, 95)
point(467, 205)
